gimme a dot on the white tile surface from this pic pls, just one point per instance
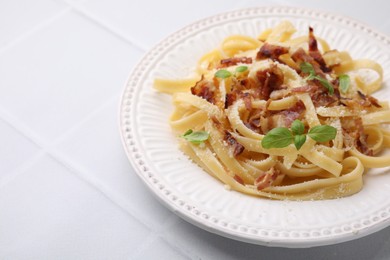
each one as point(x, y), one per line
point(51, 214)
point(20, 16)
point(67, 190)
point(159, 249)
point(108, 164)
point(137, 19)
point(19, 149)
point(64, 72)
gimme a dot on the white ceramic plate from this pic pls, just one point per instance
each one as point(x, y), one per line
point(200, 199)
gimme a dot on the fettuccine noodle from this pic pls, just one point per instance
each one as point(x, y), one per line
point(264, 88)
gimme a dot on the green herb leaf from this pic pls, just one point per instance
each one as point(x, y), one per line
point(297, 127)
point(322, 133)
point(325, 84)
point(299, 140)
point(307, 68)
point(197, 137)
point(189, 131)
point(277, 138)
point(223, 74)
point(344, 82)
point(241, 68)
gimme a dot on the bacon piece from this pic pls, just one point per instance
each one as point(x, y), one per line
point(237, 147)
point(285, 118)
point(247, 100)
point(368, 101)
point(361, 142)
point(300, 56)
point(234, 61)
point(234, 95)
point(255, 118)
point(323, 99)
point(266, 179)
point(269, 80)
point(238, 179)
point(230, 98)
point(269, 51)
point(204, 89)
point(315, 53)
point(293, 113)
point(354, 136)
point(374, 101)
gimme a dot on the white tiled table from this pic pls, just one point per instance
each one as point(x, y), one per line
point(67, 190)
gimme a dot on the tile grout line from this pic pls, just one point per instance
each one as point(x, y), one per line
point(47, 149)
point(104, 25)
point(10, 176)
point(172, 220)
point(78, 171)
point(21, 128)
point(29, 134)
point(181, 249)
point(155, 234)
point(35, 29)
point(85, 119)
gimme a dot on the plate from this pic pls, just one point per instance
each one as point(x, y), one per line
point(200, 199)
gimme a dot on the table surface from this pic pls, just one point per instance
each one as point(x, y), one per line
point(67, 190)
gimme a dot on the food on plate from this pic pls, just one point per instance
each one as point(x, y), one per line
point(282, 117)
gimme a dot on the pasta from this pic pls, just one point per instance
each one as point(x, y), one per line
point(281, 117)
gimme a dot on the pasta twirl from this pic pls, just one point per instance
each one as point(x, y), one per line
point(250, 90)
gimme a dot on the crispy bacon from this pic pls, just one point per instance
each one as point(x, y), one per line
point(315, 53)
point(354, 136)
point(234, 61)
point(230, 98)
point(323, 99)
point(238, 179)
point(269, 51)
point(361, 143)
point(293, 113)
point(247, 101)
point(300, 56)
point(234, 95)
point(248, 83)
point(368, 101)
point(237, 147)
point(254, 119)
point(266, 179)
point(269, 80)
point(203, 88)
point(374, 101)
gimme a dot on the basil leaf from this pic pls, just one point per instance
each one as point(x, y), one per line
point(325, 84)
point(307, 68)
point(299, 140)
point(197, 137)
point(241, 68)
point(223, 74)
point(277, 138)
point(344, 82)
point(297, 127)
point(310, 77)
point(189, 131)
point(322, 133)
